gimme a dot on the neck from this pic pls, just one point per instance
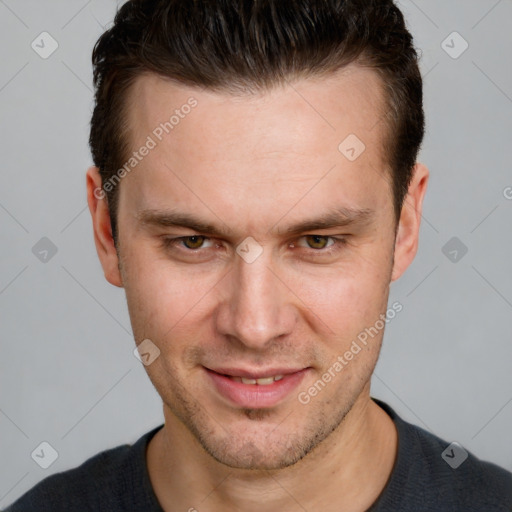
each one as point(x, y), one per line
point(347, 471)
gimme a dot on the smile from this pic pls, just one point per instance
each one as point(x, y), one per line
point(252, 390)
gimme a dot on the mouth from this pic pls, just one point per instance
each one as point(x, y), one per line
point(255, 390)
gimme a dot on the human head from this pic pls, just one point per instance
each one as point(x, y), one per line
point(260, 162)
point(242, 46)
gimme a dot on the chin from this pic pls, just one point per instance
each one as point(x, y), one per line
point(250, 457)
point(266, 449)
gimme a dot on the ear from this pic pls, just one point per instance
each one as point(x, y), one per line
point(97, 200)
point(406, 242)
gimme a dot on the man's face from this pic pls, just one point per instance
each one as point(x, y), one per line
point(257, 166)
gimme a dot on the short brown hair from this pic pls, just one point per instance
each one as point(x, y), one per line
point(243, 45)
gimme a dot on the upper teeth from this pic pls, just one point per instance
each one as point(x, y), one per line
point(265, 381)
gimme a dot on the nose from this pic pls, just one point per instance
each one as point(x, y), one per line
point(256, 307)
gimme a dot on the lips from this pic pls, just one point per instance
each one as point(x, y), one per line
point(250, 389)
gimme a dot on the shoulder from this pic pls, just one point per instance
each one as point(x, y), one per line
point(459, 477)
point(83, 484)
point(432, 474)
point(103, 482)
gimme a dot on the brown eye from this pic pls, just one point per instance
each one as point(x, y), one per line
point(317, 241)
point(193, 242)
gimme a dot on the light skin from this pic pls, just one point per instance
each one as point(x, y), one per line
point(257, 165)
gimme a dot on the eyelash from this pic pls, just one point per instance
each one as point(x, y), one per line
point(336, 246)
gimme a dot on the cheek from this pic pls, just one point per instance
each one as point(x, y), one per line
point(163, 300)
point(346, 299)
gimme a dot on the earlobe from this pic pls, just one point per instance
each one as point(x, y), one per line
point(407, 237)
point(105, 247)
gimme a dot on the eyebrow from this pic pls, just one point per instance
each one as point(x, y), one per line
point(337, 217)
point(172, 218)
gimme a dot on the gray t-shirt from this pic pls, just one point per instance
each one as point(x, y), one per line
point(422, 480)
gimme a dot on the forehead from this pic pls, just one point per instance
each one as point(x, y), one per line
point(260, 150)
point(351, 99)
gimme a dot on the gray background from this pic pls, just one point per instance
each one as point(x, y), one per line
point(67, 372)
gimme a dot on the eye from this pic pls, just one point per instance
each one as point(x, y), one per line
point(318, 246)
point(192, 243)
point(318, 241)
